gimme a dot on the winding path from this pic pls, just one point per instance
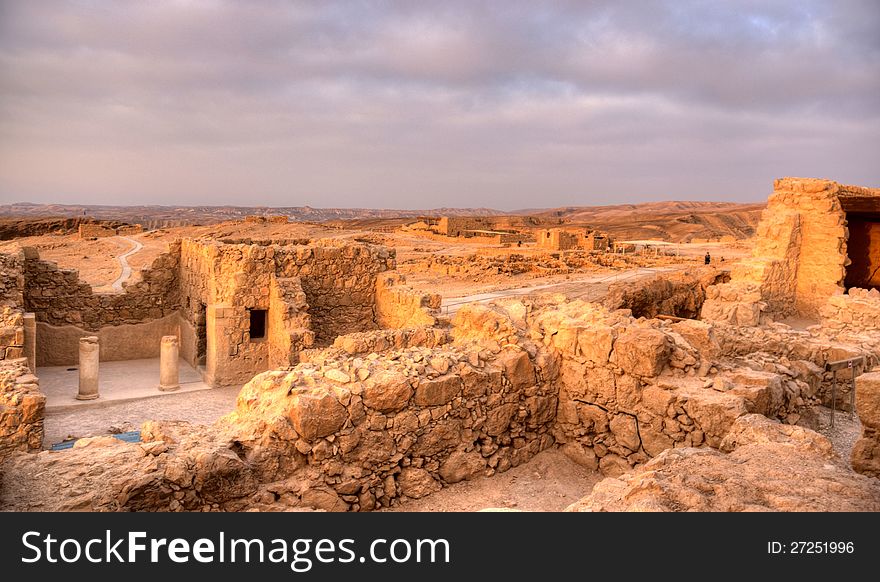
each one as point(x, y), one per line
point(123, 262)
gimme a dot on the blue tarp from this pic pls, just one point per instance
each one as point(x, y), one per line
point(133, 436)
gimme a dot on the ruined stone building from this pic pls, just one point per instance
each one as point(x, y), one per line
point(817, 240)
point(363, 400)
point(239, 308)
point(562, 239)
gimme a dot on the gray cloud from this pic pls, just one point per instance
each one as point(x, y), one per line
point(506, 104)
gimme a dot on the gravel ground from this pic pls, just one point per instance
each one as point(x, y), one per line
point(202, 407)
point(845, 433)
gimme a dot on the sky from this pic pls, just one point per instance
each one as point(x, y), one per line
point(508, 104)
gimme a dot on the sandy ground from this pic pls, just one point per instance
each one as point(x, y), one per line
point(845, 433)
point(548, 482)
point(202, 407)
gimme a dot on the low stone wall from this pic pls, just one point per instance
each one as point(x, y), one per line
point(378, 341)
point(858, 309)
point(21, 409)
point(58, 297)
point(799, 356)
point(399, 306)
point(59, 345)
point(11, 333)
point(866, 452)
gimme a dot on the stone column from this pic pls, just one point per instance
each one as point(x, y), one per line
point(30, 341)
point(88, 368)
point(169, 364)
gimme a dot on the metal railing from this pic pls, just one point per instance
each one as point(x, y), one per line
point(852, 364)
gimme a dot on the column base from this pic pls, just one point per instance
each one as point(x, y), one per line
point(169, 388)
point(87, 396)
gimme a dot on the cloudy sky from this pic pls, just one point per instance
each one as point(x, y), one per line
point(408, 104)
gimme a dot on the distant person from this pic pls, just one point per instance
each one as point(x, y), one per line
point(708, 258)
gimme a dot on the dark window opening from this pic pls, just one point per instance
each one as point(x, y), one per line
point(201, 324)
point(548, 235)
point(863, 251)
point(258, 323)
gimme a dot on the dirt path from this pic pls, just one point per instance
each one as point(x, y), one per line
point(123, 262)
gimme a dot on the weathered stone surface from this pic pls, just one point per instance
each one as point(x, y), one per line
point(499, 419)
point(461, 466)
point(866, 456)
point(613, 465)
point(626, 431)
point(756, 476)
point(517, 368)
point(437, 391)
point(316, 413)
point(416, 483)
point(758, 429)
point(762, 390)
point(595, 344)
point(641, 352)
point(581, 455)
point(868, 399)
point(387, 391)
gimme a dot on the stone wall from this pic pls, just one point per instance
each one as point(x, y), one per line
point(345, 431)
point(339, 280)
point(557, 239)
point(58, 297)
point(289, 322)
point(799, 259)
point(859, 308)
point(21, 409)
point(399, 306)
point(59, 345)
point(12, 279)
point(11, 333)
point(311, 294)
point(866, 452)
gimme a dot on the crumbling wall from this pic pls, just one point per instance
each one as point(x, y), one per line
point(289, 322)
point(764, 466)
point(21, 408)
point(129, 229)
point(12, 279)
point(399, 306)
point(799, 259)
point(11, 333)
point(857, 309)
point(336, 283)
point(557, 239)
point(799, 356)
point(378, 341)
point(345, 435)
point(339, 280)
point(58, 297)
point(866, 452)
point(678, 294)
